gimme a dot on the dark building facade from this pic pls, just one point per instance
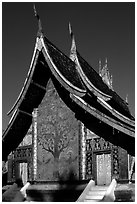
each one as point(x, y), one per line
point(58, 146)
point(68, 122)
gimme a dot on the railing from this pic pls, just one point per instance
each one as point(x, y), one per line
point(109, 195)
point(86, 190)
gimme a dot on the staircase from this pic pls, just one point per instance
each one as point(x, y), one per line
point(94, 193)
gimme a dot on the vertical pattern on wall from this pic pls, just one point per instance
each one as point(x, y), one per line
point(123, 164)
point(89, 158)
point(83, 152)
point(13, 170)
point(35, 113)
point(10, 168)
point(115, 160)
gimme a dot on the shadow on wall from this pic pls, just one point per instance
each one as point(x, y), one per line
point(69, 189)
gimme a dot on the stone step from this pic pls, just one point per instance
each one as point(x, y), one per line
point(96, 200)
point(99, 188)
point(90, 193)
point(95, 194)
point(94, 197)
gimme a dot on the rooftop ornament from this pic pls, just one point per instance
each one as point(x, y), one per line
point(39, 34)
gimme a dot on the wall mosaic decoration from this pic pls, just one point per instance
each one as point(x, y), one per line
point(57, 138)
point(115, 157)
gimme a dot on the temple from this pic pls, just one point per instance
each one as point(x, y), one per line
point(68, 122)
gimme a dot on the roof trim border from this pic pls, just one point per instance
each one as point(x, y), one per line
point(37, 49)
point(104, 118)
point(115, 112)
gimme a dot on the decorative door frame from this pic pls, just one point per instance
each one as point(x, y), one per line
point(94, 166)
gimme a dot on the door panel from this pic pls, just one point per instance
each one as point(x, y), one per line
point(107, 166)
point(103, 164)
point(23, 169)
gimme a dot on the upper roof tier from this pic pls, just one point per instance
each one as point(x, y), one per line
point(115, 100)
point(79, 81)
point(96, 85)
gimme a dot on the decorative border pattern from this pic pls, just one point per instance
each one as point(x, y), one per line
point(115, 160)
point(82, 151)
point(35, 113)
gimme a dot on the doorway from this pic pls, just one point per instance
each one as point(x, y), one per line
point(23, 172)
point(103, 169)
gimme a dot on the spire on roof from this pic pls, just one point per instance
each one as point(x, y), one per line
point(104, 73)
point(127, 98)
point(100, 67)
point(39, 34)
point(70, 29)
point(73, 45)
point(106, 61)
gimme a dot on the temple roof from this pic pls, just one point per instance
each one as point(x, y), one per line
point(49, 62)
point(30, 97)
point(64, 67)
point(116, 101)
point(97, 84)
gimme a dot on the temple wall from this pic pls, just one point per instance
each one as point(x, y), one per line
point(123, 164)
point(59, 147)
point(57, 139)
point(97, 149)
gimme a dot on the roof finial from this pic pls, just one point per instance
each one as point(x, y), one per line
point(73, 45)
point(106, 62)
point(127, 98)
point(70, 29)
point(100, 67)
point(39, 22)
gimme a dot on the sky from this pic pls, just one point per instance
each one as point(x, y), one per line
point(101, 30)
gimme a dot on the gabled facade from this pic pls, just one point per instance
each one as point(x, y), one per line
point(78, 122)
point(58, 146)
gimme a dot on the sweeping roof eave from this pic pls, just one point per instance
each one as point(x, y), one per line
point(63, 68)
point(125, 128)
point(16, 129)
point(91, 78)
point(115, 113)
point(30, 97)
point(27, 80)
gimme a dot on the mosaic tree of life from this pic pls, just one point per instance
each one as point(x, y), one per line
point(57, 129)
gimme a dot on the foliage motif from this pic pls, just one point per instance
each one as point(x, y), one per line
point(57, 127)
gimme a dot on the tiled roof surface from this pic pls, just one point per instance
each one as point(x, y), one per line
point(116, 102)
point(65, 65)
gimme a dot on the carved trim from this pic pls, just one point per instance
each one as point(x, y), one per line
point(27, 80)
point(115, 159)
point(35, 112)
point(82, 151)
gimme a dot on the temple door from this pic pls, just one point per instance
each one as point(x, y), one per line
point(103, 164)
point(23, 171)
